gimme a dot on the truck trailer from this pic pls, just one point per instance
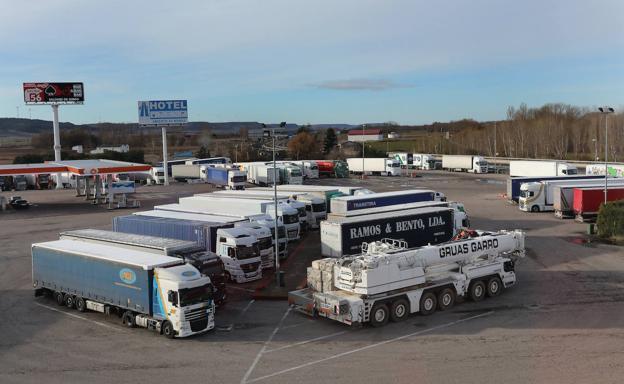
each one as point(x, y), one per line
point(344, 204)
point(533, 168)
point(563, 198)
point(236, 247)
point(389, 280)
point(207, 263)
point(375, 166)
point(465, 163)
point(587, 201)
point(157, 292)
point(343, 236)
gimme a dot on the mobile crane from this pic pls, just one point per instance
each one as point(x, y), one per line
point(388, 281)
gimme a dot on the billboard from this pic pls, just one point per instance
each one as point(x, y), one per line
point(53, 93)
point(163, 112)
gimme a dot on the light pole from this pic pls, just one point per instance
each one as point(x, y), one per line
point(363, 149)
point(606, 110)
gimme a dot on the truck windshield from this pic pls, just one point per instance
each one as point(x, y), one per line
point(290, 219)
point(196, 295)
point(571, 172)
point(161, 173)
point(313, 167)
point(320, 207)
point(295, 172)
point(526, 194)
point(265, 243)
point(243, 253)
point(238, 179)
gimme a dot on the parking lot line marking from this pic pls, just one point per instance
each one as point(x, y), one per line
point(306, 341)
point(246, 308)
point(264, 347)
point(79, 317)
point(338, 355)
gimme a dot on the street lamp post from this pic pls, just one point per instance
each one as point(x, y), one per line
point(363, 150)
point(606, 110)
point(595, 149)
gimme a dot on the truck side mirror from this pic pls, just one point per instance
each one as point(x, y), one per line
point(172, 297)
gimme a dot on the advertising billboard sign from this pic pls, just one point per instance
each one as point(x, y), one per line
point(163, 112)
point(53, 93)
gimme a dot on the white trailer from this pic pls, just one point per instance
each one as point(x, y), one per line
point(537, 168)
point(615, 170)
point(173, 210)
point(375, 166)
point(240, 207)
point(465, 163)
point(388, 281)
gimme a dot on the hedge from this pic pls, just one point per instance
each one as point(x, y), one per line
point(610, 221)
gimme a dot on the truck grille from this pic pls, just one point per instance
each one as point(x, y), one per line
point(251, 267)
point(199, 325)
point(292, 233)
point(196, 314)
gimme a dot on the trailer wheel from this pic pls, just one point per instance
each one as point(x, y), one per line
point(428, 303)
point(167, 329)
point(59, 298)
point(446, 299)
point(70, 301)
point(494, 287)
point(379, 315)
point(477, 291)
point(535, 208)
point(128, 319)
point(81, 306)
point(399, 310)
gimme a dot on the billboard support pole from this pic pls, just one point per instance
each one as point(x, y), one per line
point(165, 159)
point(57, 143)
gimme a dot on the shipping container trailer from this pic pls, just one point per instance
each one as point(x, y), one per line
point(353, 203)
point(587, 201)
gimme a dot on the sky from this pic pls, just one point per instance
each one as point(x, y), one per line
point(314, 61)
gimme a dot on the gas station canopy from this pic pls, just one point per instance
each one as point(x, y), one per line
point(76, 167)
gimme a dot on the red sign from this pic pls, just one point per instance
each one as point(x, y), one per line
point(53, 93)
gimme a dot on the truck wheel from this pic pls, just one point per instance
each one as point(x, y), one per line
point(128, 319)
point(167, 330)
point(477, 291)
point(494, 287)
point(379, 315)
point(228, 277)
point(535, 208)
point(446, 299)
point(59, 298)
point(428, 303)
point(399, 310)
point(81, 306)
point(70, 301)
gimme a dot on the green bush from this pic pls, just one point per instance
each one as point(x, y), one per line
point(610, 220)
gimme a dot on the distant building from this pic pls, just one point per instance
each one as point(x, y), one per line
point(359, 135)
point(393, 135)
point(101, 149)
point(78, 148)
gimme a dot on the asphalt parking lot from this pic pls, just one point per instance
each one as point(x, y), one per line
point(562, 323)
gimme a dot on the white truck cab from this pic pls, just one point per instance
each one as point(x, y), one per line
point(310, 169)
point(479, 165)
point(157, 175)
point(269, 222)
point(265, 242)
point(290, 218)
point(187, 301)
point(316, 209)
point(292, 174)
point(239, 251)
point(532, 198)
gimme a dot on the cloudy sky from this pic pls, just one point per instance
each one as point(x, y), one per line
point(314, 61)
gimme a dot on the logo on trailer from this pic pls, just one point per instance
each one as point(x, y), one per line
point(127, 276)
point(188, 273)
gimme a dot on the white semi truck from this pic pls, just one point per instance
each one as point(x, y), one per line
point(313, 207)
point(156, 292)
point(309, 168)
point(387, 281)
point(264, 220)
point(528, 168)
point(375, 166)
point(424, 161)
point(240, 207)
point(465, 163)
point(539, 196)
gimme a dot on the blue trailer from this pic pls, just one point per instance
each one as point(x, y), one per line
point(343, 204)
point(514, 183)
point(201, 232)
point(217, 176)
point(142, 287)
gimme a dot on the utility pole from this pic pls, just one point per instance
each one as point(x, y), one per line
point(606, 110)
point(363, 149)
point(165, 159)
point(57, 142)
